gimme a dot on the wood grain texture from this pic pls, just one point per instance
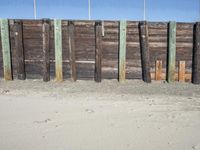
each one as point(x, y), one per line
point(181, 71)
point(58, 49)
point(144, 44)
point(158, 70)
point(19, 46)
point(5, 40)
point(122, 51)
point(72, 50)
point(84, 37)
point(46, 49)
point(196, 56)
point(98, 51)
point(171, 70)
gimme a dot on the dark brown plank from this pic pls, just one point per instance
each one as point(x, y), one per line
point(98, 51)
point(196, 56)
point(46, 50)
point(19, 47)
point(144, 44)
point(72, 50)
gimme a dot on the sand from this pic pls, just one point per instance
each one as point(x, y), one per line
point(108, 116)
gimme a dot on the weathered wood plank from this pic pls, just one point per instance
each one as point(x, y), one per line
point(122, 51)
point(196, 56)
point(6, 49)
point(58, 49)
point(144, 44)
point(181, 71)
point(98, 51)
point(72, 60)
point(46, 49)
point(158, 70)
point(19, 47)
point(171, 52)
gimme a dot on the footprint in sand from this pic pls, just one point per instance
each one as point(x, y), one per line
point(89, 110)
point(196, 147)
point(5, 91)
point(43, 121)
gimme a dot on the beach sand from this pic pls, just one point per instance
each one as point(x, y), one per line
point(85, 115)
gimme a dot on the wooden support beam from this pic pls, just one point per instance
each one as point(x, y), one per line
point(58, 49)
point(98, 51)
point(19, 46)
point(144, 45)
point(6, 49)
point(122, 51)
point(171, 70)
point(196, 56)
point(71, 30)
point(46, 49)
point(158, 72)
point(181, 71)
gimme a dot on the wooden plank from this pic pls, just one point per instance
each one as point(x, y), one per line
point(187, 76)
point(72, 60)
point(144, 44)
point(58, 49)
point(196, 56)
point(171, 52)
point(158, 71)
point(181, 71)
point(98, 51)
point(6, 49)
point(46, 49)
point(122, 51)
point(19, 47)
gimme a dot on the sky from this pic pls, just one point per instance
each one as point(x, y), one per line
point(157, 10)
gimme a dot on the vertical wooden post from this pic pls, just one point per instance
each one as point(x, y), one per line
point(72, 50)
point(46, 50)
point(122, 51)
point(171, 52)
point(98, 51)
point(144, 44)
point(58, 49)
point(19, 46)
point(158, 73)
point(181, 71)
point(196, 56)
point(6, 49)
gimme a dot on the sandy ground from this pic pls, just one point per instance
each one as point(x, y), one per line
point(108, 116)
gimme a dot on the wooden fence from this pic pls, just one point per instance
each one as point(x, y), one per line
point(67, 49)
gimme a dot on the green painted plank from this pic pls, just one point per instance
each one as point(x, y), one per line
point(122, 51)
point(6, 49)
point(171, 52)
point(58, 49)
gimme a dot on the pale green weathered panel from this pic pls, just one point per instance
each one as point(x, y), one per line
point(172, 52)
point(58, 49)
point(122, 51)
point(6, 49)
